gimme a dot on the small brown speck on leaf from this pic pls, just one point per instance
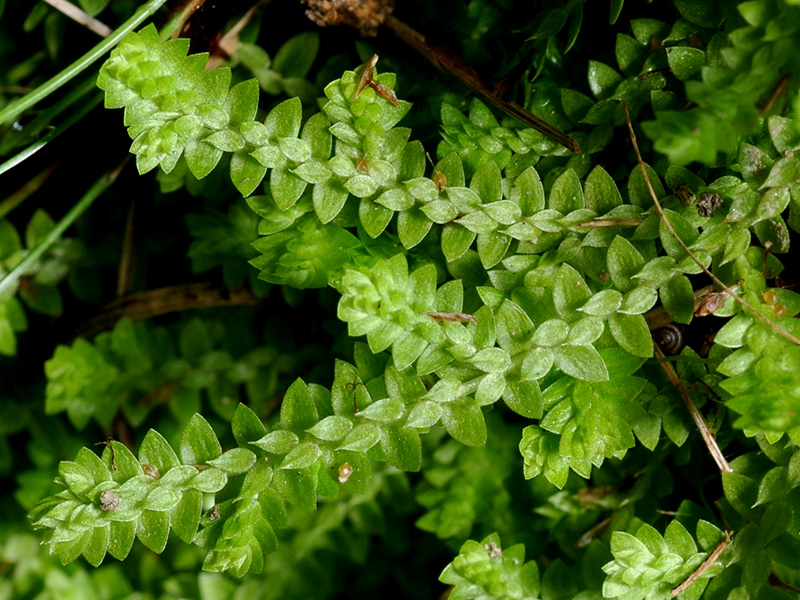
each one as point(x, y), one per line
point(708, 203)
point(345, 470)
point(109, 501)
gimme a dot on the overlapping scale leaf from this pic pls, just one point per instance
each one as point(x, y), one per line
point(104, 502)
point(486, 570)
point(647, 565)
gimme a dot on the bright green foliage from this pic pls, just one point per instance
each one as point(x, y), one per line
point(485, 570)
point(465, 487)
point(318, 436)
point(104, 505)
point(506, 269)
point(480, 136)
point(136, 367)
point(224, 240)
point(585, 422)
point(647, 565)
point(761, 357)
point(731, 80)
point(566, 307)
point(286, 73)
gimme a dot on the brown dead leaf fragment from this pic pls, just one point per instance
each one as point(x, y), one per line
point(366, 80)
point(365, 15)
point(452, 317)
point(714, 302)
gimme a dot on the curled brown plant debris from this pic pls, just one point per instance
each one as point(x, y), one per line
point(365, 15)
point(708, 203)
point(452, 317)
point(659, 317)
point(145, 305)
point(367, 80)
point(109, 501)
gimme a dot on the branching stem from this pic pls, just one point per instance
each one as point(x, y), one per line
point(742, 302)
point(712, 558)
point(77, 15)
point(449, 62)
point(612, 223)
point(697, 417)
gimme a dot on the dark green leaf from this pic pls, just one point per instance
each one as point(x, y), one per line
point(464, 421)
point(199, 444)
point(632, 334)
point(677, 296)
point(401, 446)
point(295, 57)
point(685, 62)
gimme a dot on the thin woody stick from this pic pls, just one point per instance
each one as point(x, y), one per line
point(77, 15)
point(746, 305)
point(449, 62)
point(146, 305)
point(712, 558)
point(612, 223)
point(127, 262)
point(698, 418)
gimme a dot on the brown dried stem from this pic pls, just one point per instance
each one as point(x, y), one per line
point(153, 303)
point(712, 558)
point(779, 91)
point(452, 317)
point(229, 43)
point(77, 15)
point(449, 62)
point(612, 223)
point(730, 290)
point(11, 202)
point(127, 262)
point(697, 417)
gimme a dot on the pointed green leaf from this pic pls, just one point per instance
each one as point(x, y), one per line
point(199, 443)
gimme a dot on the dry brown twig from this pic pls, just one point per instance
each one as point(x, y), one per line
point(725, 289)
point(366, 80)
point(698, 572)
point(365, 15)
point(152, 303)
point(669, 370)
point(77, 15)
point(229, 43)
point(368, 15)
point(127, 262)
point(612, 223)
point(697, 417)
point(452, 64)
